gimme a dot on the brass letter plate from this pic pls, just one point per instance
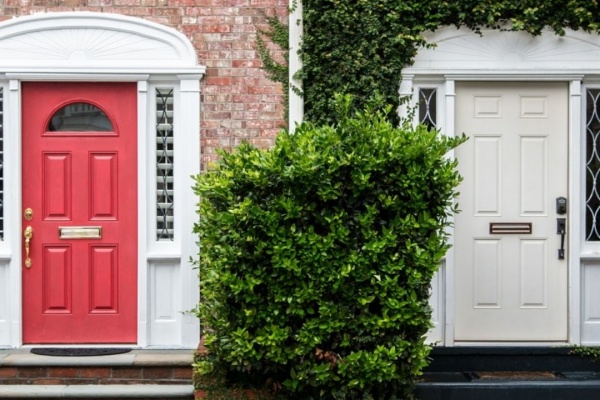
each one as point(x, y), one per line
point(510, 228)
point(80, 232)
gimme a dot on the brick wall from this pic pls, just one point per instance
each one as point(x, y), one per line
point(237, 102)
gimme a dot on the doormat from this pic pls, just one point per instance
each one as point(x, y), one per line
point(78, 351)
point(514, 376)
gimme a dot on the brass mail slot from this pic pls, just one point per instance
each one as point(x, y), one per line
point(510, 228)
point(80, 232)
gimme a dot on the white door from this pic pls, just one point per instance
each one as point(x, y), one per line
point(510, 284)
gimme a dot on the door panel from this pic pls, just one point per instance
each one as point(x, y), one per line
point(82, 284)
point(510, 286)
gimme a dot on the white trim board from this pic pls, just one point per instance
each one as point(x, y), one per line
point(462, 55)
point(96, 47)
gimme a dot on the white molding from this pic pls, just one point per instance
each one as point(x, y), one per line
point(76, 76)
point(461, 55)
point(84, 40)
point(62, 47)
point(296, 28)
point(12, 203)
point(508, 51)
point(142, 154)
point(575, 197)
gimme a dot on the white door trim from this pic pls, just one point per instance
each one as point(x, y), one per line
point(462, 55)
point(167, 59)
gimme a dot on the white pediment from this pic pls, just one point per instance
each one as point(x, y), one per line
point(462, 50)
point(84, 39)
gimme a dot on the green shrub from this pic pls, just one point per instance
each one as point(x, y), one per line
point(316, 256)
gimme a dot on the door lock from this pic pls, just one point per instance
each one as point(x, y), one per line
point(561, 205)
point(561, 229)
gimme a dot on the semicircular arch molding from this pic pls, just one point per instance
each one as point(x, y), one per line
point(92, 40)
point(495, 51)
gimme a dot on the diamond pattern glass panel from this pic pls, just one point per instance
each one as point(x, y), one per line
point(1, 164)
point(428, 107)
point(164, 164)
point(592, 166)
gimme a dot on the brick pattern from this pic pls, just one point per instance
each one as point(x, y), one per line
point(238, 101)
point(78, 375)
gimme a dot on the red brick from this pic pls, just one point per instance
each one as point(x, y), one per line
point(157, 373)
point(48, 381)
point(95, 372)
point(60, 372)
point(32, 372)
point(8, 372)
point(127, 373)
point(183, 373)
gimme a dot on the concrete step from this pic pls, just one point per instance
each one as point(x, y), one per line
point(509, 373)
point(139, 374)
point(147, 391)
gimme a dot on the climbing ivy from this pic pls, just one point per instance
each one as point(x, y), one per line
point(361, 46)
point(278, 34)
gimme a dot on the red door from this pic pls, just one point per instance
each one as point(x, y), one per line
point(79, 203)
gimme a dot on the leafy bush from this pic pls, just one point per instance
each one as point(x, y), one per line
point(316, 256)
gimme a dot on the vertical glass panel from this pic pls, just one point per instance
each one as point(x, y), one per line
point(164, 164)
point(1, 164)
point(79, 117)
point(428, 107)
point(592, 166)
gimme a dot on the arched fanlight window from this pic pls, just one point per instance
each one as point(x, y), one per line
point(79, 117)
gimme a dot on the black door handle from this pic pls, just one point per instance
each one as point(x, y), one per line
point(561, 229)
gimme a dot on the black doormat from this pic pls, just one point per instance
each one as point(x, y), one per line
point(78, 351)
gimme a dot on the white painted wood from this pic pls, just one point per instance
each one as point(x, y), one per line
point(465, 52)
point(143, 150)
point(82, 46)
point(5, 311)
point(435, 335)
point(86, 40)
point(575, 198)
point(590, 304)
point(548, 58)
point(12, 204)
point(189, 165)
point(296, 102)
point(510, 287)
point(165, 305)
point(449, 110)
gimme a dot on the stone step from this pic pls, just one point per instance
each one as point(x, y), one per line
point(509, 390)
point(98, 392)
point(139, 374)
point(509, 373)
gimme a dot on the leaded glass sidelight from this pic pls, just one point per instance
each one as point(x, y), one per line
point(428, 107)
point(592, 166)
point(164, 164)
point(1, 164)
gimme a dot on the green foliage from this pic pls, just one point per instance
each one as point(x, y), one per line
point(361, 46)
point(278, 34)
point(317, 255)
point(592, 352)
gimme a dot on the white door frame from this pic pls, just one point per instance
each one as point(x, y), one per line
point(96, 47)
point(461, 55)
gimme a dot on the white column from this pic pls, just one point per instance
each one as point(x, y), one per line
point(575, 218)
point(188, 143)
point(296, 102)
point(142, 139)
point(405, 92)
point(448, 129)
